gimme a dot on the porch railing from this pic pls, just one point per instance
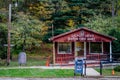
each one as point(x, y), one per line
point(97, 57)
point(67, 59)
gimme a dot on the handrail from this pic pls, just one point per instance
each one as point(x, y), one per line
point(67, 59)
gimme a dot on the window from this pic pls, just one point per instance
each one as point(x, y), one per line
point(64, 48)
point(95, 47)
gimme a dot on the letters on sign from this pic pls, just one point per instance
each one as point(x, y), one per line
point(81, 37)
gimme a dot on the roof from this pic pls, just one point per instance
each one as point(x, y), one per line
point(80, 29)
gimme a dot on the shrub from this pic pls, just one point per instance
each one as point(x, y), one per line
point(2, 62)
point(117, 68)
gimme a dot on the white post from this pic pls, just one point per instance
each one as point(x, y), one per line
point(110, 51)
point(85, 50)
point(53, 52)
point(75, 49)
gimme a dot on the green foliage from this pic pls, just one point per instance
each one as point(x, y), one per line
point(27, 32)
point(108, 72)
point(2, 62)
point(3, 17)
point(108, 26)
point(117, 68)
point(116, 34)
point(100, 24)
point(3, 37)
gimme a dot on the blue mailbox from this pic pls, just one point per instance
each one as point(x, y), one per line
point(79, 66)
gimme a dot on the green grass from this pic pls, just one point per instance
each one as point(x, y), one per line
point(29, 63)
point(42, 73)
point(32, 60)
point(108, 72)
point(35, 57)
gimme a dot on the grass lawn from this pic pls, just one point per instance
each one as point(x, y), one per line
point(108, 72)
point(29, 63)
point(42, 73)
point(32, 60)
point(46, 73)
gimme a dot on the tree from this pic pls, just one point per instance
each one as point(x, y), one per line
point(100, 24)
point(3, 40)
point(116, 5)
point(107, 26)
point(52, 13)
point(27, 32)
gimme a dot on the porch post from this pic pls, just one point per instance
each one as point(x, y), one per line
point(53, 52)
point(85, 50)
point(110, 51)
point(102, 48)
point(75, 55)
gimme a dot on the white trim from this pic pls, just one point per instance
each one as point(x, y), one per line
point(53, 52)
point(110, 51)
point(85, 50)
point(64, 52)
point(75, 49)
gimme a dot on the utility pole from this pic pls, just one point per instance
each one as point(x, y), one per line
point(9, 30)
point(113, 9)
point(52, 30)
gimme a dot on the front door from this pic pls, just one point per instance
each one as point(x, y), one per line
point(79, 49)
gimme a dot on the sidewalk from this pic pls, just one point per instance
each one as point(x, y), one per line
point(91, 72)
point(42, 67)
point(76, 78)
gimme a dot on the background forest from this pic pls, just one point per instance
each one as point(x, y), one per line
point(35, 21)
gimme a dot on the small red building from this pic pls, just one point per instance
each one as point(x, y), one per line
point(81, 42)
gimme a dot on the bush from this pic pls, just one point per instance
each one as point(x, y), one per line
point(2, 62)
point(117, 68)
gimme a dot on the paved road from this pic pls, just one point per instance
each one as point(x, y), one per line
point(60, 78)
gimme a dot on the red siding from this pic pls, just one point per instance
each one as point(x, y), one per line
point(82, 35)
point(88, 37)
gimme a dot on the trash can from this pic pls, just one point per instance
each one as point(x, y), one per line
point(79, 66)
point(22, 58)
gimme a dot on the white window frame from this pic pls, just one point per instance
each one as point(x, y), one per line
point(96, 53)
point(64, 52)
